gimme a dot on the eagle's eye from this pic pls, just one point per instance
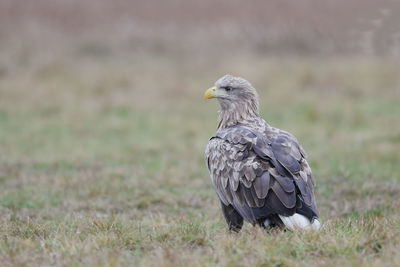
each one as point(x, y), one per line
point(228, 88)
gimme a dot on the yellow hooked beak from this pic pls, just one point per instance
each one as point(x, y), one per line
point(210, 93)
point(213, 92)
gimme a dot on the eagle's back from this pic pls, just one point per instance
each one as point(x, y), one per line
point(261, 172)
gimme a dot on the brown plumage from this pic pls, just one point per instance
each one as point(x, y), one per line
point(259, 172)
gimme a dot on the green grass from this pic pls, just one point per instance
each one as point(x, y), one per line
point(102, 164)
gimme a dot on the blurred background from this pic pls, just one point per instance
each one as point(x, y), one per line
point(171, 48)
point(103, 126)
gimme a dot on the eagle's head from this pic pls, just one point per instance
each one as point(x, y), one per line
point(232, 91)
point(237, 97)
point(229, 89)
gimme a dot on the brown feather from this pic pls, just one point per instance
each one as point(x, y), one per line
point(261, 185)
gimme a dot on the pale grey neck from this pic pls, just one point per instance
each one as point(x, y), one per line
point(238, 113)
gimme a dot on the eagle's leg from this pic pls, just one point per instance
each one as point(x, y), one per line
point(232, 218)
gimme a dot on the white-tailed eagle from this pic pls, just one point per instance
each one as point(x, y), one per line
point(259, 172)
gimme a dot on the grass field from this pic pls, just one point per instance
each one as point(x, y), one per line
point(102, 162)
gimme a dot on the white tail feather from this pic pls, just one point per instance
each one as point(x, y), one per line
point(298, 221)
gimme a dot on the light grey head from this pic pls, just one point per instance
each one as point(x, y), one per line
point(233, 91)
point(238, 100)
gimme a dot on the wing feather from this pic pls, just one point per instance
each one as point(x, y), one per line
point(286, 198)
point(261, 185)
point(260, 173)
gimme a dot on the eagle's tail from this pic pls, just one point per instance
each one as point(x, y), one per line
point(298, 221)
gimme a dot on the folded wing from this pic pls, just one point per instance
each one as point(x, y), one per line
point(261, 173)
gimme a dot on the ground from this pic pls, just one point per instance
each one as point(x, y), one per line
point(102, 161)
